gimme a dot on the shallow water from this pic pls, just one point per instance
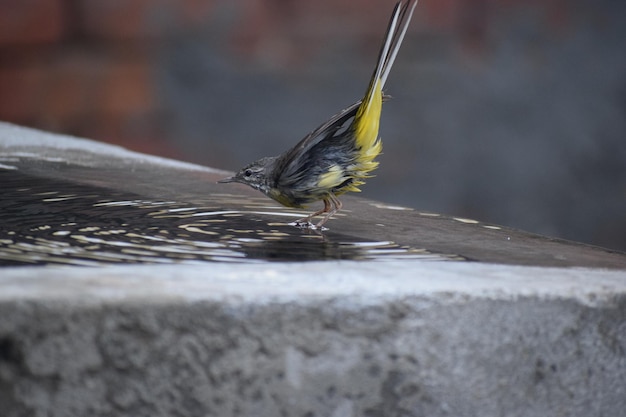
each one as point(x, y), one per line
point(47, 220)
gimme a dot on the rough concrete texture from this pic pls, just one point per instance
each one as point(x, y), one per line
point(522, 330)
point(323, 339)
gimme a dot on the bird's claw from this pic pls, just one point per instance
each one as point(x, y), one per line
point(306, 224)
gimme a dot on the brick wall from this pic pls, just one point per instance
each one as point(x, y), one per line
point(87, 67)
point(84, 67)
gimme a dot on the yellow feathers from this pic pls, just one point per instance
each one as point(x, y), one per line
point(331, 178)
point(366, 123)
point(367, 119)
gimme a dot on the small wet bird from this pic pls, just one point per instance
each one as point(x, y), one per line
point(339, 155)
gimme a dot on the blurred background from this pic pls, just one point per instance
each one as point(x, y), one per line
point(511, 112)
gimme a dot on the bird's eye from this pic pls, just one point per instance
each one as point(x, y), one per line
point(247, 173)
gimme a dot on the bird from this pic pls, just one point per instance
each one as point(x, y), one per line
point(340, 154)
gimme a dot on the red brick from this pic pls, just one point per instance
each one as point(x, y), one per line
point(285, 32)
point(139, 133)
point(66, 95)
point(125, 88)
point(195, 11)
point(31, 21)
point(19, 93)
point(442, 15)
point(136, 19)
point(80, 85)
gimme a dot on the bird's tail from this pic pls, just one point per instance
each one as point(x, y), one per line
point(367, 118)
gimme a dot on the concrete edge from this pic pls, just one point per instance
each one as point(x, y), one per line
point(364, 282)
point(21, 138)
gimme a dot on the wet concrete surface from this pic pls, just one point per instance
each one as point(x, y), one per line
point(188, 312)
point(84, 220)
point(61, 206)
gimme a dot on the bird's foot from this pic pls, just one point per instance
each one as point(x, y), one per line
point(306, 224)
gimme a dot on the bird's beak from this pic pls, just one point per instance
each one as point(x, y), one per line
point(229, 179)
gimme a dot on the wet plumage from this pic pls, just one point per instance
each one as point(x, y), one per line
point(340, 154)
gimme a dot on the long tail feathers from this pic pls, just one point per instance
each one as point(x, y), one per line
point(404, 19)
point(368, 115)
point(398, 25)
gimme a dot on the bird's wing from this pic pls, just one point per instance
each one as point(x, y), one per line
point(289, 165)
point(362, 117)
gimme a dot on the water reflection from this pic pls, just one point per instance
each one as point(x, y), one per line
point(53, 221)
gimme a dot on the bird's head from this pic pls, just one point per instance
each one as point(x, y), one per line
point(256, 174)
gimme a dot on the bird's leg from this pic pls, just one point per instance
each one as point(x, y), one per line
point(337, 206)
point(331, 206)
point(306, 221)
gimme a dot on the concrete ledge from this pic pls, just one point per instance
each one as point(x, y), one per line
point(531, 326)
point(319, 339)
